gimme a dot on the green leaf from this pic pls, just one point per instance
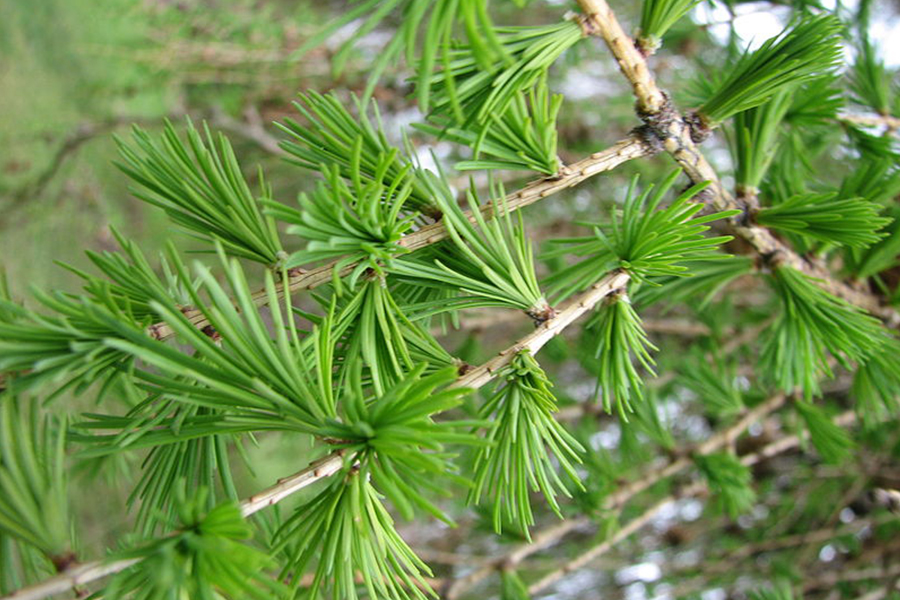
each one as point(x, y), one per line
point(876, 384)
point(349, 531)
point(359, 224)
point(375, 332)
point(812, 323)
point(204, 559)
point(423, 28)
point(756, 139)
point(197, 461)
point(874, 179)
point(201, 188)
point(21, 564)
point(66, 350)
point(714, 382)
point(335, 140)
point(781, 590)
point(522, 138)
point(805, 49)
point(621, 343)
point(704, 280)
point(869, 79)
point(34, 506)
point(644, 240)
point(238, 364)
point(827, 218)
point(815, 104)
point(526, 442)
point(133, 284)
point(489, 259)
point(657, 16)
point(648, 418)
point(395, 439)
point(512, 587)
point(832, 441)
point(472, 88)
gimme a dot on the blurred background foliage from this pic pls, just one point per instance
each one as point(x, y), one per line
point(74, 73)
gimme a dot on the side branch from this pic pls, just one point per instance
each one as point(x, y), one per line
point(606, 160)
point(317, 470)
point(477, 377)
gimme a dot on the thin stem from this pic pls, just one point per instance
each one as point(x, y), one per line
point(600, 19)
point(477, 377)
point(73, 577)
point(287, 486)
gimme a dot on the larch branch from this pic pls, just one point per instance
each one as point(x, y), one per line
point(331, 464)
point(477, 377)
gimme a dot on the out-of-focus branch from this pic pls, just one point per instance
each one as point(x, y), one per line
point(647, 516)
point(70, 145)
point(554, 534)
point(889, 122)
point(251, 128)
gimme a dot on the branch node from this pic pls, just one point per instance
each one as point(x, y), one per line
point(158, 331)
point(210, 332)
point(585, 21)
point(698, 127)
point(748, 203)
point(65, 561)
point(296, 272)
point(561, 173)
point(542, 314)
point(657, 125)
point(705, 196)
